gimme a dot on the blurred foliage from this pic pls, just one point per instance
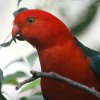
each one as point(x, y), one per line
point(12, 78)
point(31, 85)
point(19, 10)
point(14, 61)
point(32, 58)
point(85, 20)
point(1, 77)
point(7, 43)
point(1, 82)
point(35, 97)
point(19, 1)
point(2, 97)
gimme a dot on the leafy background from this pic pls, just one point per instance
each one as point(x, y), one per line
point(82, 17)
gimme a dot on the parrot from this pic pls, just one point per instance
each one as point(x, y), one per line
point(59, 51)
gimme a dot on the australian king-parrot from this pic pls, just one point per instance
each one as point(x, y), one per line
point(59, 51)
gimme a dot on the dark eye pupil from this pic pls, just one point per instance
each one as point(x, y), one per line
point(31, 20)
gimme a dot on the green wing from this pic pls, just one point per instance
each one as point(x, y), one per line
point(94, 55)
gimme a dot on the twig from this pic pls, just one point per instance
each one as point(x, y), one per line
point(55, 76)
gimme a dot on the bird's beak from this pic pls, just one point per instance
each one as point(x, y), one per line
point(16, 34)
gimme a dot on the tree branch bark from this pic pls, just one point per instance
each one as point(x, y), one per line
point(55, 76)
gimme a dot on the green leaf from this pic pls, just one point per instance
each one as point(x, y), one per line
point(86, 18)
point(32, 58)
point(19, 10)
point(16, 60)
point(24, 98)
point(31, 85)
point(2, 97)
point(12, 78)
point(19, 1)
point(6, 44)
point(34, 97)
point(38, 93)
point(20, 74)
point(1, 81)
point(1, 77)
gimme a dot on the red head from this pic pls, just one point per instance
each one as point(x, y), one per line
point(39, 28)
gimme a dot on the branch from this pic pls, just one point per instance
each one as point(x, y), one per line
point(55, 76)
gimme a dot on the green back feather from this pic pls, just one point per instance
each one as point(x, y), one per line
point(94, 55)
point(89, 52)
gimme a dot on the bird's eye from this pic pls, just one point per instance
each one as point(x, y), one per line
point(31, 20)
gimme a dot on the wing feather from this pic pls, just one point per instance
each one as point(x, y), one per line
point(94, 55)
